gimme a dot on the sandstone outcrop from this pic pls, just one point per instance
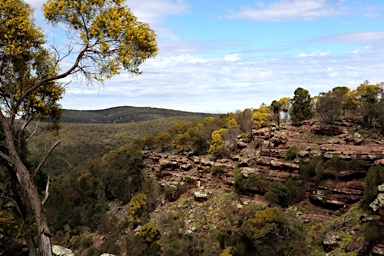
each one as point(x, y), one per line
point(336, 190)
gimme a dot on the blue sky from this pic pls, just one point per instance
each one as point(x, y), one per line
point(223, 56)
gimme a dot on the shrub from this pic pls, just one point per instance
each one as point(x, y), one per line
point(291, 153)
point(189, 180)
point(278, 194)
point(296, 190)
point(312, 168)
point(242, 184)
point(374, 178)
point(172, 193)
point(216, 169)
point(257, 143)
point(372, 232)
point(86, 242)
point(149, 232)
point(91, 251)
point(267, 231)
point(136, 204)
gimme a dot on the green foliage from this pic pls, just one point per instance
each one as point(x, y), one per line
point(276, 109)
point(86, 242)
point(122, 175)
point(301, 106)
point(278, 194)
point(291, 153)
point(372, 232)
point(296, 190)
point(216, 169)
point(267, 231)
point(189, 180)
point(374, 178)
point(314, 167)
point(335, 165)
point(257, 143)
point(252, 182)
point(172, 193)
point(329, 106)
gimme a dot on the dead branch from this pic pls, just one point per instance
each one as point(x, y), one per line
point(46, 193)
point(46, 155)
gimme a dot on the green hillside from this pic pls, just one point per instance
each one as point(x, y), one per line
point(124, 114)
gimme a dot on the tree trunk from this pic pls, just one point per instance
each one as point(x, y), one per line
point(30, 189)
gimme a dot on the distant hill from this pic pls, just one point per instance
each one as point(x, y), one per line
point(125, 114)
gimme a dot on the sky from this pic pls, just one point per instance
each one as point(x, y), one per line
point(223, 56)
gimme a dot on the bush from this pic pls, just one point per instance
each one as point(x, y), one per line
point(312, 168)
point(372, 232)
point(189, 180)
point(136, 204)
point(257, 143)
point(291, 153)
point(86, 242)
point(267, 231)
point(173, 193)
point(374, 178)
point(278, 194)
point(296, 190)
point(216, 169)
point(92, 251)
point(242, 184)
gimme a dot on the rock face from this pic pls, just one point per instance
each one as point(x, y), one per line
point(334, 191)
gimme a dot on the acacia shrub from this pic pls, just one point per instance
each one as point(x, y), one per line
point(255, 231)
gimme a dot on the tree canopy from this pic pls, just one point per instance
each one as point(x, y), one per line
point(301, 106)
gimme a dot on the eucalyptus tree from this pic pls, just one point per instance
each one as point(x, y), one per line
point(104, 37)
point(301, 106)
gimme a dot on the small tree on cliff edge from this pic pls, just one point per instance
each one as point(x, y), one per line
point(104, 37)
point(301, 106)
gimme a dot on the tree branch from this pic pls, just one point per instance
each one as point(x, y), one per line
point(46, 193)
point(46, 80)
point(37, 169)
point(5, 157)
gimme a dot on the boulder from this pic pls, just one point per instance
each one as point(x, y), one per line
point(331, 241)
point(201, 196)
point(61, 251)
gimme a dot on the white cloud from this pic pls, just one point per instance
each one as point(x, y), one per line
point(316, 53)
point(207, 84)
point(231, 57)
point(152, 10)
point(284, 10)
point(357, 38)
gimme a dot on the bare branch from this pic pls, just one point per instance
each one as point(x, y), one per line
point(26, 123)
point(46, 193)
point(37, 169)
point(33, 133)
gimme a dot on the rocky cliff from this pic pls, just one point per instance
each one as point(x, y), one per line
point(335, 190)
